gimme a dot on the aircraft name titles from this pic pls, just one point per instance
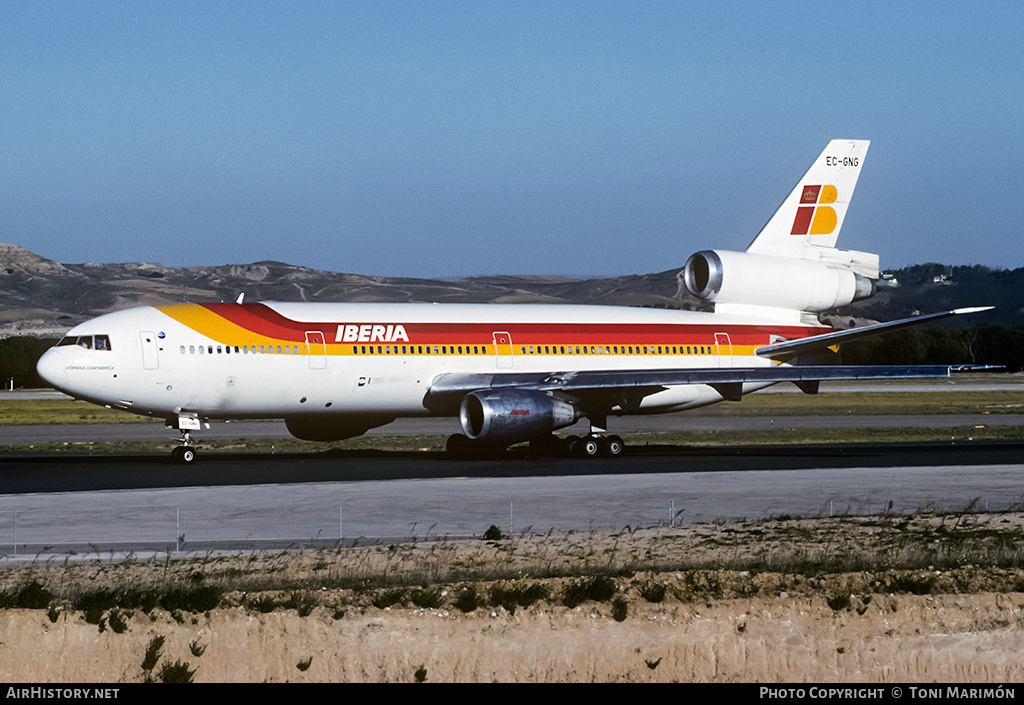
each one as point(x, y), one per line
point(371, 333)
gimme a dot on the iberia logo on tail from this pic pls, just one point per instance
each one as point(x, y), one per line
point(812, 216)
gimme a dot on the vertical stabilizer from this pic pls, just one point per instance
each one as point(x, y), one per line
point(813, 213)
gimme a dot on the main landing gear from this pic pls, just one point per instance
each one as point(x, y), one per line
point(590, 446)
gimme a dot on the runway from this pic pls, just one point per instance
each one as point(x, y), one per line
point(118, 432)
point(105, 507)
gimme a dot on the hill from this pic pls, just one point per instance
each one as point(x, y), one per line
point(40, 297)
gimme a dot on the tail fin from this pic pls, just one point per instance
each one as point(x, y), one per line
point(813, 213)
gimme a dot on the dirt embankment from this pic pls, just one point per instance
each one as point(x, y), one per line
point(678, 605)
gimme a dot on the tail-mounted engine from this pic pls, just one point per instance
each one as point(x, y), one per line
point(512, 415)
point(826, 279)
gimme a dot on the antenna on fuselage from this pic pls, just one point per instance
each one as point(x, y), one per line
point(240, 297)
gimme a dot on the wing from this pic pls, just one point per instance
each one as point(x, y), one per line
point(630, 386)
point(788, 349)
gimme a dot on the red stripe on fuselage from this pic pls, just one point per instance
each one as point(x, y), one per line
point(265, 321)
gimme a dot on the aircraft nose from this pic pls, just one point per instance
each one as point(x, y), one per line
point(51, 368)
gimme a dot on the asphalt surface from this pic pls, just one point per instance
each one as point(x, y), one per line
point(102, 508)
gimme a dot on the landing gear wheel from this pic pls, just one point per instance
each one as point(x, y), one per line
point(570, 445)
point(183, 455)
point(613, 446)
point(588, 447)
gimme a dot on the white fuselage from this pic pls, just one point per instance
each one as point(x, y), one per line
point(281, 360)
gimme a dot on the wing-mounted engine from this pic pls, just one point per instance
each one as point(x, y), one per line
point(823, 279)
point(513, 415)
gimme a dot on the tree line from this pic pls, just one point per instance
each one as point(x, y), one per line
point(18, 357)
point(991, 345)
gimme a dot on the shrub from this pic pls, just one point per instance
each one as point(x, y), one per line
point(177, 672)
point(117, 621)
point(426, 598)
point(653, 592)
point(152, 653)
point(389, 598)
point(33, 597)
point(600, 588)
point(619, 609)
point(493, 533)
point(518, 594)
point(263, 604)
point(200, 599)
point(468, 600)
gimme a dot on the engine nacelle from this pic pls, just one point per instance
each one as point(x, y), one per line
point(333, 428)
point(789, 283)
point(512, 415)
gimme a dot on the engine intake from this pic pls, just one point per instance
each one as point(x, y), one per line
point(511, 415)
point(789, 283)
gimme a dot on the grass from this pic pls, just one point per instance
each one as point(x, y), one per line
point(65, 411)
point(843, 559)
point(29, 412)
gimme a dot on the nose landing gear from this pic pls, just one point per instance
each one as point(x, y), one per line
point(185, 454)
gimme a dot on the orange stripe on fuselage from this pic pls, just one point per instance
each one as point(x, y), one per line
point(237, 324)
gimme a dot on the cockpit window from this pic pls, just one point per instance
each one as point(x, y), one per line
point(88, 342)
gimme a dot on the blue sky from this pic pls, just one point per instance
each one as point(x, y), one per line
point(436, 139)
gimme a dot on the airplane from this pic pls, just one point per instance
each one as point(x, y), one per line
point(509, 372)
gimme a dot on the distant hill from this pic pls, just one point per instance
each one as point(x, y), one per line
point(924, 288)
point(44, 298)
point(41, 297)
